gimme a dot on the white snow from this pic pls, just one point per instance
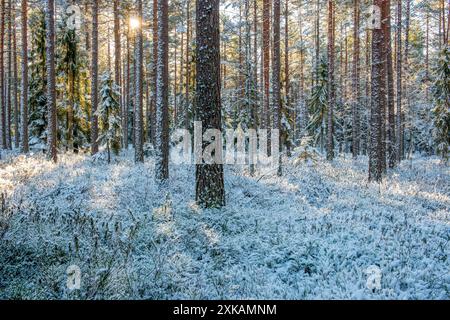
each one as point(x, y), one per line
point(310, 234)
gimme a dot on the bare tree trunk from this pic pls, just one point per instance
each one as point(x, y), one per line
point(15, 84)
point(266, 62)
point(9, 77)
point(2, 78)
point(399, 131)
point(127, 86)
point(276, 78)
point(118, 56)
point(188, 65)
point(51, 86)
point(94, 76)
point(331, 90)
point(139, 93)
point(391, 143)
point(303, 108)
point(287, 85)
point(356, 84)
point(378, 101)
point(24, 93)
point(153, 72)
point(162, 103)
point(210, 191)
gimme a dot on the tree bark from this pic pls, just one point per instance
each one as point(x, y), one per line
point(2, 78)
point(331, 87)
point(210, 191)
point(266, 62)
point(94, 76)
point(118, 56)
point(51, 86)
point(139, 113)
point(398, 117)
point(15, 84)
point(356, 132)
point(391, 137)
point(162, 103)
point(276, 78)
point(378, 101)
point(24, 93)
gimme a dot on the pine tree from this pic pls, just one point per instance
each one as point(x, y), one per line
point(441, 110)
point(109, 115)
point(38, 80)
point(210, 191)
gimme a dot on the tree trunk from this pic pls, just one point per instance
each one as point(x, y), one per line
point(94, 76)
point(266, 62)
point(139, 114)
point(15, 84)
point(331, 87)
point(356, 85)
point(276, 78)
point(391, 143)
point(9, 77)
point(399, 131)
point(153, 72)
point(51, 86)
point(188, 65)
point(2, 79)
point(210, 191)
point(24, 93)
point(378, 101)
point(117, 56)
point(162, 83)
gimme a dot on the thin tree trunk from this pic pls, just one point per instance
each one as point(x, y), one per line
point(153, 71)
point(9, 76)
point(127, 86)
point(266, 62)
point(24, 93)
point(162, 83)
point(399, 133)
point(139, 114)
point(15, 84)
point(287, 84)
point(356, 84)
point(51, 86)
point(2, 79)
point(118, 57)
point(331, 90)
point(276, 77)
point(391, 143)
point(210, 191)
point(188, 65)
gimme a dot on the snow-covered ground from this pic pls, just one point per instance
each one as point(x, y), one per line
point(319, 231)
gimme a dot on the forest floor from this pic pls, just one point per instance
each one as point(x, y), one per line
point(317, 232)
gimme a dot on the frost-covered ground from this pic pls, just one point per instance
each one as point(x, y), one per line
point(311, 234)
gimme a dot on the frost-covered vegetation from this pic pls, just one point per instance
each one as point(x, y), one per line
point(310, 234)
